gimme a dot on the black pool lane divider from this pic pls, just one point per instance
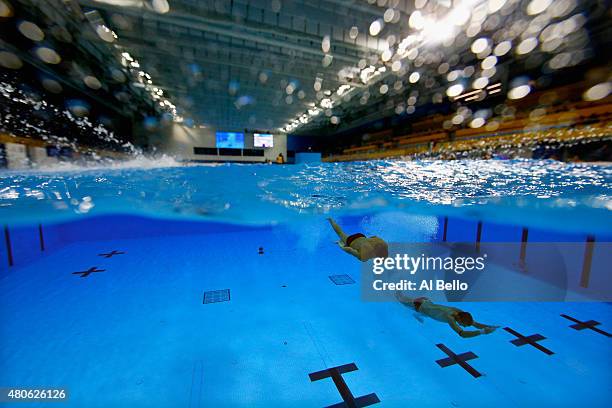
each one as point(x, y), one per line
point(335, 373)
point(93, 269)
point(460, 359)
point(112, 253)
point(9, 248)
point(532, 340)
point(590, 324)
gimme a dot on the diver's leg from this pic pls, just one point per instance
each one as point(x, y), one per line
point(338, 230)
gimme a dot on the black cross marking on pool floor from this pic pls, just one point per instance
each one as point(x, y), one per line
point(88, 272)
point(458, 359)
point(347, 396)
point(531, 340)
point(590, 324)
point(111, 254)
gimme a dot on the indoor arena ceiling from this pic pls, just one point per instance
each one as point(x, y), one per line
point(248, 63)
point(297, 65)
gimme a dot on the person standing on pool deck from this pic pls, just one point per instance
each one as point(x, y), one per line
point(360, 246)
point(446, 314)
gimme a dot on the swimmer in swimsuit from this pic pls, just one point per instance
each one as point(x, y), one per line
point(456, 318)
point(360, 246)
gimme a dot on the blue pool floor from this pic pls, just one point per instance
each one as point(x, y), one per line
point(139, 334)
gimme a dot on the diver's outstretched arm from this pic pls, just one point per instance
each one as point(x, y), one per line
point(486, 327)
point(338, 230)
point(465, 333)
point(408, 301)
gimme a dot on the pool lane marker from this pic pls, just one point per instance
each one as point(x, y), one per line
point(590, 324)
point(112, 253)
point(523, 255)
point(588, 260)
point(347, 396)
point(531, 340)
point(41, 238)
point(9, 249)
point(460, 359)
point(88, 272)
point(445, 229)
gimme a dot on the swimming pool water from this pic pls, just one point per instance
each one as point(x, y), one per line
point(520, 192)
point(137, 333)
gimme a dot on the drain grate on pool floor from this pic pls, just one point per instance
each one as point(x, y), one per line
point(216, 296)
point(341, 279)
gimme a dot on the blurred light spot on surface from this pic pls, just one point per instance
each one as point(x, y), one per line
point(495, 5)
point(376, 27)
point(597, 92)
point(416, 20)
point(537, 6)
point(537, 114)
point(479, 45)
point(414, 77)
point(263, 77)
point(561, 8)
point(31, 31)
point(477, 122)
point(410, 109)
point(459, 16)
point(480, 83)
point(502, 48)
point(384, 88)
point(419, 4)
point(561, 60)
point(454, 90)
point(52, 85)
point(275, 5)
point(334, 120)
point(10, 60)
point(386, 55)
point(353, 32)
point(92, 82)
point(389, 15)
point(519, 92)
point(118, 75)
point(78, 107)
point(457, 119)
point(527, 45)
point(492, 126)
point(396, 66)
point(161, 6)
point(489, 62)
point(6, 10)
point(105, 33)
point(453, 75)
point(326, 44)
point(47, 55)
point(327, 60)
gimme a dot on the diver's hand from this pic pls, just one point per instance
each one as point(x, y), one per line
point(489, 329)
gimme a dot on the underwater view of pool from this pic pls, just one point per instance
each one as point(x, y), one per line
point(223, 285)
